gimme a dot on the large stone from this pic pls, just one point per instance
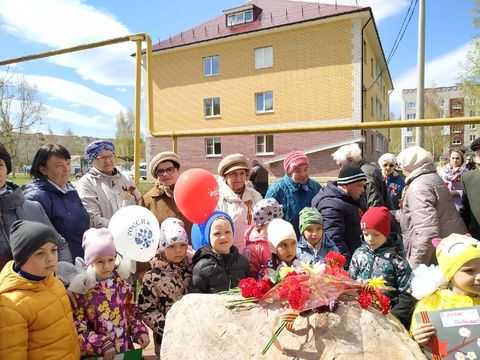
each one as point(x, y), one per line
point(201, 327)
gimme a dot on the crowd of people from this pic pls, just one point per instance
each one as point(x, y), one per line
point(386, 220)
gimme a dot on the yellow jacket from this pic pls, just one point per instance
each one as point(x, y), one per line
point(36, 319)
point(443, 299)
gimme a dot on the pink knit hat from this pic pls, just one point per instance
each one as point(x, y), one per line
point(97, 242)
point(293, 160)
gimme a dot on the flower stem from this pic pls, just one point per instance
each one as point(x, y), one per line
point(274, 337)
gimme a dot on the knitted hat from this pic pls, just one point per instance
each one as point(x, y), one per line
point(309, 216)
point(387, 158)
point(26, 237)
point(231, 163)
point(161, 157)
point(454, 251)
point(475, 145)
point(266, 210)
point(172, 231)
point(377, 218)
point(95, 148)
point(293, 160)
point(5, 156)
point(97, 242)
point(215, 216)
point(350, 174)
point(280, 230)
point(414, 157)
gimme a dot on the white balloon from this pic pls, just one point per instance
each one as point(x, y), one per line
point(136, 232)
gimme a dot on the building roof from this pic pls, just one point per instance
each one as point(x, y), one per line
point(273, 13)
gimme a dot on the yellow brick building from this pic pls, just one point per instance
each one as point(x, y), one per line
point(271, 62)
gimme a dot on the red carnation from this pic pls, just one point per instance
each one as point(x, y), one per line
point(248, 287)
point(263, 286)
point(365, 299)
point(335, 259)
point(298, 296)
point(336, 271)
point(384, 302)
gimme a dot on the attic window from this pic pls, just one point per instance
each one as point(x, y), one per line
point(241, 17)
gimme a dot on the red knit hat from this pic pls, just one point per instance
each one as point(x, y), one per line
point(377, 218)
point(294, 159)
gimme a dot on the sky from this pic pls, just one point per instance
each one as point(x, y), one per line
point(83, 92)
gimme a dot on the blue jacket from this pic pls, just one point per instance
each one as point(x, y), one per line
point(308, 255)
point(293, 197)
point(341, 218)
point(65, 212)
point(395, 185)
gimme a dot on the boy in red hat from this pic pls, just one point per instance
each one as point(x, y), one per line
point(377, 257)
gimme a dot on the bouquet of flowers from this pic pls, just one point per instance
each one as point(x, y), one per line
point(302, 288)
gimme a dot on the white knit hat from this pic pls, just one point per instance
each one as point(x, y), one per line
point(172, 231)
point(387, 158)
point(280, 230)
point(413, 158)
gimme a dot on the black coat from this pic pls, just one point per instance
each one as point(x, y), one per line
point(213, 272)
point(341, 218)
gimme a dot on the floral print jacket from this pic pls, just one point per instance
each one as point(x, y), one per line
point(106, 317)
point(163, 285)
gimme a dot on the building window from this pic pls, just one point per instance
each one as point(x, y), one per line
point(211, 106)
point(371, 106)
point(456, 142)
point(379, 143)
point(240, 17)
point(211, 65)
point(213, 146)
point(457, 106)
point(411, 116)
point(411, 105)
point(264, 57)
point(264, 102)
point(472, 126)
point(472, 112)
point(409, 130)
point(408, 139)
point(472, 137)
point(264, 144)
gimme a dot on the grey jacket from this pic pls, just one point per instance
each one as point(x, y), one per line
point(427, 212)
point(102, 195)
point(376, 192)
point(13, 206)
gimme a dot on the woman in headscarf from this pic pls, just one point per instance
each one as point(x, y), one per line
point(395, 181)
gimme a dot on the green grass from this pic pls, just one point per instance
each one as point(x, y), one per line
point(20, 179)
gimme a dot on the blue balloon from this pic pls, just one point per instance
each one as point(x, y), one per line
point(198, 236)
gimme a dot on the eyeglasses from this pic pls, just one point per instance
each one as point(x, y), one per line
point(168, 171)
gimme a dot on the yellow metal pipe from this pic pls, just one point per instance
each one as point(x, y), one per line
point(148, 80)
point(314, 128)
point(138, 89)
point(92, 45)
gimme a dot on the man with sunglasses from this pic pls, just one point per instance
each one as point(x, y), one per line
point(165, 169)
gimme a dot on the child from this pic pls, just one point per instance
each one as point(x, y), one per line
point(257, 249)
point(377, 257)
point(36, 319)
point(313, 246)
point(458, 259)
point(283, 241)
point(218, 266)
point(105, 314)
point(168, 280)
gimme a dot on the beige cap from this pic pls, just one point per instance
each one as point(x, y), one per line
point(231, 163)
point(161, 157)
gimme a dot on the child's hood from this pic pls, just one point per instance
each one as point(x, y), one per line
point(11, 281)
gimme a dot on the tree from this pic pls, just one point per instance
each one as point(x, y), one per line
point(124, 135)
point(20, 109)
point(471, 69)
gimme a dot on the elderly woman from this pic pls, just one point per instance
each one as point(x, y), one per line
point(13, 206)
point(395, 182)
point(51, 188)
point(104, 189)
point(452, 176)
point(427, 210)
point(376, 193)
point(237, 198)
point(296, 189)
point(165, 169)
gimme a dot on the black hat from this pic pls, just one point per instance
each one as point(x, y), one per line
point(26, 237)
point(350, 174)
point(475, 145)
point(5, 156)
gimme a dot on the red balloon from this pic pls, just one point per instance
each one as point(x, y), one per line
point(196, 194)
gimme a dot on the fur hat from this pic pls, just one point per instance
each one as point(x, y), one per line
point(97, 242)
point(231, 163)
point(377, 218)
point(293, 160)
point(454, 251)
point(161, 157)
point(266, 210)
point(172, 231)
point(280, 230)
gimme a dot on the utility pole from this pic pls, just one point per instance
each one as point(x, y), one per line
point(421, 72)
